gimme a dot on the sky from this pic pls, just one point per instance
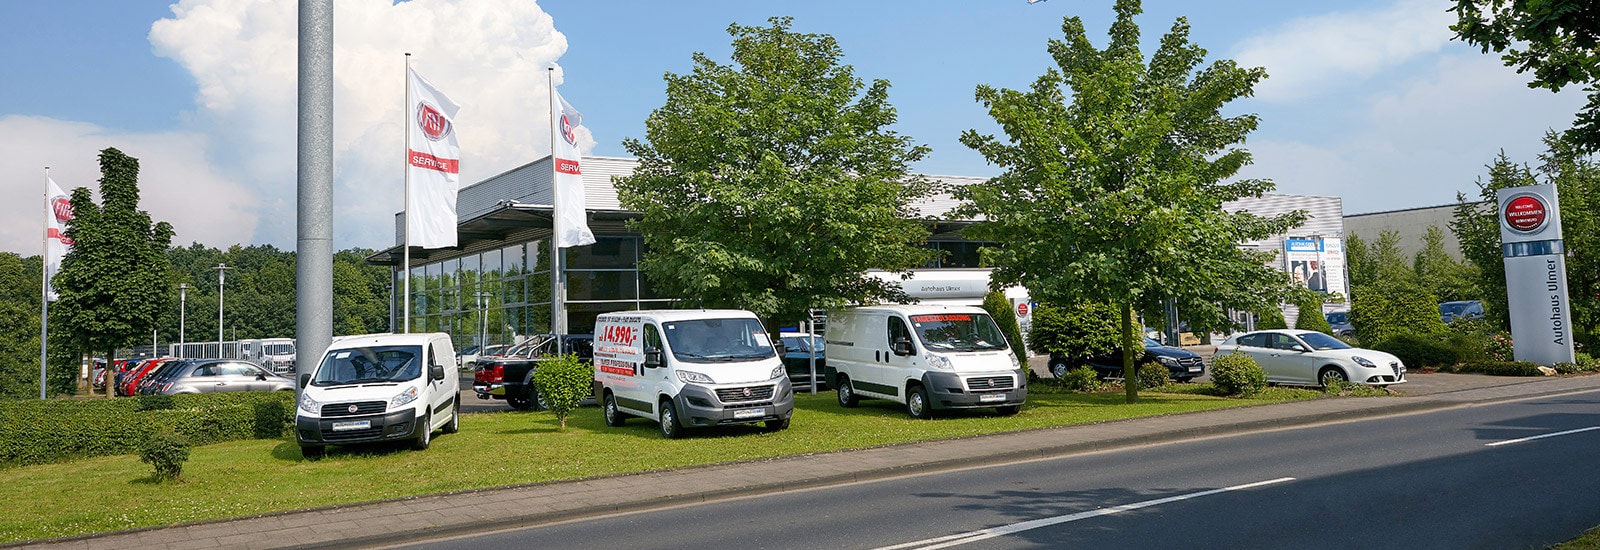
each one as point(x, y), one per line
point(1367, 100)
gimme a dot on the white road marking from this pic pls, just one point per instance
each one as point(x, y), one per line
point(1568, 432)
point(974, 536)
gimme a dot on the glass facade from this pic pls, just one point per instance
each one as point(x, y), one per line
point(503, 296)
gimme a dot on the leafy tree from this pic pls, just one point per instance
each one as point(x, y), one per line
point(999, 307)
point(1309, 305)
point(1113, 181)
point(1078, 331)
point(1388, 262)
point(1442, 274)
point(114, 284)
point(773, 184)
point(1359, 260)
point(563, 382)
point(1477, 226)
point(1271, 318)
point(1391, 307)
point(1555, 39)
point(19, 334)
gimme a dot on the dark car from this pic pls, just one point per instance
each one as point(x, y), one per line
point(1339, 321)
point(797, 359)
point(155, 378)
point(509, 376)
point(1466, 309)
point(1185, 365)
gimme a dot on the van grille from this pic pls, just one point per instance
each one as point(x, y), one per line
point(334, 410)
point(747, 393)
point(991, 383)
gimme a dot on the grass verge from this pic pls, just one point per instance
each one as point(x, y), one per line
point(506, 448)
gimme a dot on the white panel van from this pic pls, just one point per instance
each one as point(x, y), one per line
point(689, 368)
point(926, 357)
point(379, 387)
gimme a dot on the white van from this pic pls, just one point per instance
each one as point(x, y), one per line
point(689, 368)
point(927, 357)
point(379, 387)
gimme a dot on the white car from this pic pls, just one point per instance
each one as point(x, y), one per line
point(1311, 358)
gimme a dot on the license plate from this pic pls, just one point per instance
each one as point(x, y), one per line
point(352, 425)
point(1194, 369)
point(991, 397)
point(749, 413)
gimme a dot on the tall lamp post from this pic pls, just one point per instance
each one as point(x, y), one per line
point(183, 311)
point(483, 320)
point(222, 281)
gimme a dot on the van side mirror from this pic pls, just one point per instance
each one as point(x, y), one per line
point(652, 358)
point(778, 345)
point(436, 372)
point(902, 347)
point(305, 380)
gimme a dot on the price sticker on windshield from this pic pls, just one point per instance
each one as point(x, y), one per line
point(940, 318)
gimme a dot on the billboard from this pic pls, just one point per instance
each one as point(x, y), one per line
point(1316, 263)
point(1536, 274)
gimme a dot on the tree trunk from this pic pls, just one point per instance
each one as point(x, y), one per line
point(1130, 370)
point(111, 374)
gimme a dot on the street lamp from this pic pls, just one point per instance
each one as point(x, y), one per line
point(183, 311)
point(222, 281)
point(483, 320)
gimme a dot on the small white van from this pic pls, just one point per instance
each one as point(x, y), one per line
point(689, 368)
point(926, 357)
point(379, 387)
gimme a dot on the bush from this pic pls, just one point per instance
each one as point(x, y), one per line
point(1237, 374)
point(999, 308)
point(1153, 375)
point(1311, 317)
point(38, 432)
point(166, 451)
point(1498, 348)
point(1497, 368)
point(1418, 351)
point(1582, 363)
point(1272, 318)
point(1078, 331)
point(563, 382)
point(1387, 308)
point(1081, 379)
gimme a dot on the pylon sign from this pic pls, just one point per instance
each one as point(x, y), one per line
point(1536, 274)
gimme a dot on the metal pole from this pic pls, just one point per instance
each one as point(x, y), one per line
point(405, 216)
point(483, 320)
point(44, 291)
point(222, 283)
point(558, 276)
point(183, 314)
point(811, 346)
point(313, 317)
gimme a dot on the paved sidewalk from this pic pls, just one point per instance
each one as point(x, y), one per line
point(409, 519)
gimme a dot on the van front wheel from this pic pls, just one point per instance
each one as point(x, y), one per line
point(426, 425)
point(669, 420)
point(917, 403)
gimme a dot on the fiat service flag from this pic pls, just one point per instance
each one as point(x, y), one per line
point(58, 209)
point(571, 223)
point(433, 164)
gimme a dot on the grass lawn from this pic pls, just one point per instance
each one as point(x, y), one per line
point(504, 448)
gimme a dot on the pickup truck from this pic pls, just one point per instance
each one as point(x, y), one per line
point(509, 375)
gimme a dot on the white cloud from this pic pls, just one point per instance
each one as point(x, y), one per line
point(1309, 56)
point(175, 182)
point(488, 55)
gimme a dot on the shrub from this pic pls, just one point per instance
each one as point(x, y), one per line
point(1081, 379)
point(166, 451)
point(38, 432)
point(1078, 331)
point(1153, 375)
point(1418, 351)
point(563, 382)
point(1311, 317)
point(999, 308)
point(1498, 348)
point(1272, 318)
point(1497, 368)
point(1237, 374)
point(1386, 308)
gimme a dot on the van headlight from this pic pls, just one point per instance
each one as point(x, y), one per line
point(939, 361)
point(779, 372)
point(1015, 364)
point(404, 398)
point(691, 377)
point(308, 404)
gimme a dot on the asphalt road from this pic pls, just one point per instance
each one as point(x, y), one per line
point(1458, 478)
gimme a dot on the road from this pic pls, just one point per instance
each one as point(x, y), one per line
point(1457, 478)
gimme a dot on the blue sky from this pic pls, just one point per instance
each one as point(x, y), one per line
point(1368, 100)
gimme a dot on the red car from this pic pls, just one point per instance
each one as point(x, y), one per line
point(131, 380)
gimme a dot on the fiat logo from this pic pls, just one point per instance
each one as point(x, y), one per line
point(433, 123)
point(353, 409)
point(1526, 213)
point(747, 392)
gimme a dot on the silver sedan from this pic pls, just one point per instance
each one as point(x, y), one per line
point(225, 375)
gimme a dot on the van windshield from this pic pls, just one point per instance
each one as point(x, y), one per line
point(718, 340)
point(375, 364)
point(958, 332)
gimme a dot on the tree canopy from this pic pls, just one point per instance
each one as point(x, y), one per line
point(1553, 39)
point(1114, 176)
point(774, 184)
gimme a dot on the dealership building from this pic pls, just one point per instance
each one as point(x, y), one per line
point(496, 284)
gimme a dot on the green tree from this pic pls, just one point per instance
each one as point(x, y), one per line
point(999, 307)
point(773, 184)
point(1078, 331)
point(1477, 226)
point(1358, 259)
point(1309, 317)
point(1554, 39)
point(19, 334)
point(1442, 274)
point(1390, 307)
point(1113, 181)
point(114, 284)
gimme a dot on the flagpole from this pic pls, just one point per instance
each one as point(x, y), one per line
point(558, 279)
point(405, 264)
point(44, 290)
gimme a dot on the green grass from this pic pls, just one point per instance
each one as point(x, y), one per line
point(1589, 541)
point(505, 448)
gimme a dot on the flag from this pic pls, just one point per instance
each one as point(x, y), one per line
point(58, 209)
point(433, 165)
point(571, 220)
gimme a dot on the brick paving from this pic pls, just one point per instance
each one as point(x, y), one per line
point(403, 520)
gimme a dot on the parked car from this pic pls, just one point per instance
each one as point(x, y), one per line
point(797, 359)
point(222, 375)
point(1184, 365)
point(151, 382)
point(379, 387)
point(470, 354)
point(1309, 358)
point(1466, 309)
point(130, 381)
point(509, 376)
point(1339, 321)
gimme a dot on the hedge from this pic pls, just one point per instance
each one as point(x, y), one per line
point(1497, 368)
point(1417, 351)
point(38, 432)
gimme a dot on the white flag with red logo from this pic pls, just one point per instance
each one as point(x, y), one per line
point(433, 162)
point(58, 209)
point(571, 220)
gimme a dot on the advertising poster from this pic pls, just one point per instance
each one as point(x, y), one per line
point(1316, 263)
